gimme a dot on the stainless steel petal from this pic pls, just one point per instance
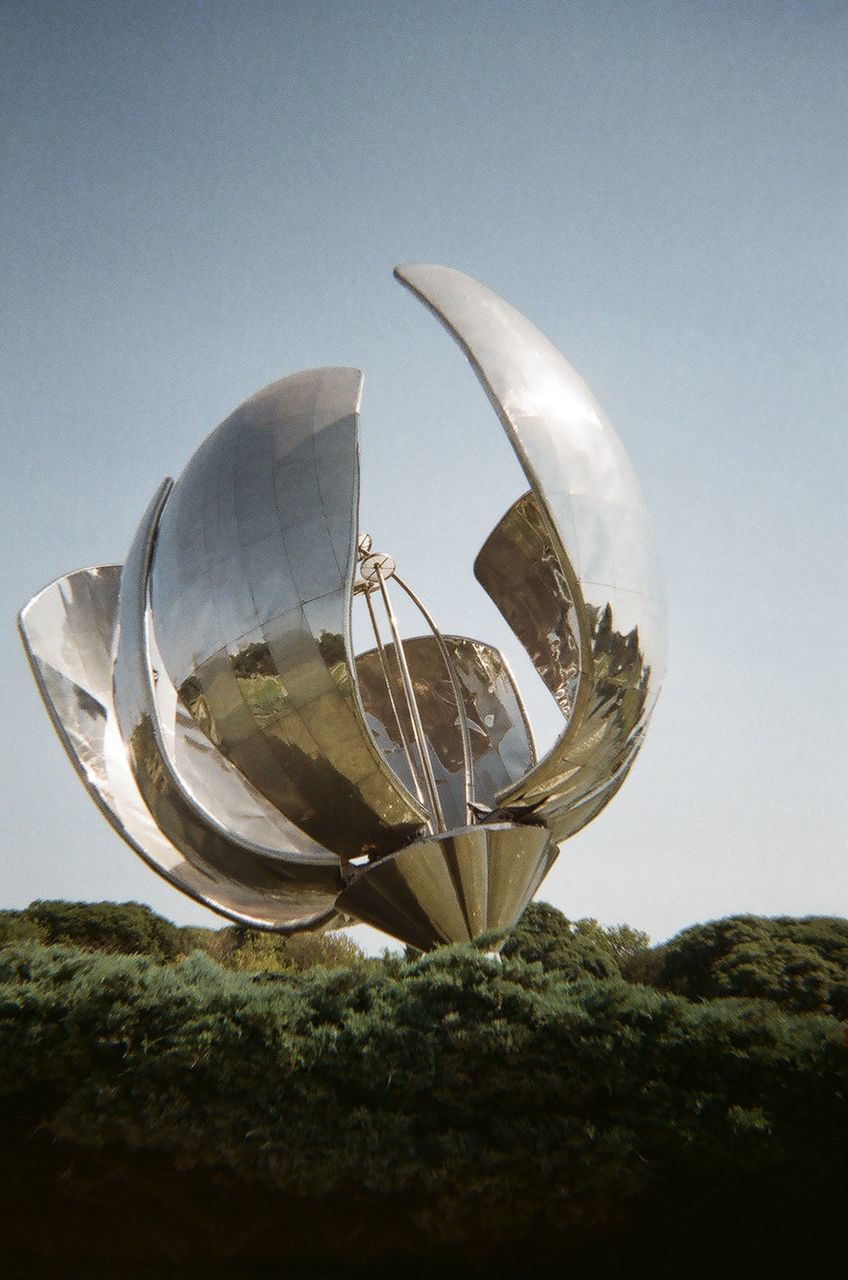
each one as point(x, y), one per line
point(253, 624)
point(455, 886)
point(584, 541)
point(499, 733)
point(518, 567)
point(68, 633)
point(521, 569)
point(215, 787)
point(313, 876)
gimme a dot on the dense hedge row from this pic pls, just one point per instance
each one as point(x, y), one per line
point(801, 964)
point(539, 1098)
point(130, 928)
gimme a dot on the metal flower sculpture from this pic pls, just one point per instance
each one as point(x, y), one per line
point(208, 693)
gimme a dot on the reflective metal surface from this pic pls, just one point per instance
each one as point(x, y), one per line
point(250, 594)
point(209, 697)
point(449, 659)
point(291, 864)
point(453, 887)
point(499, 734)
point(68, 632)
point(520, 571)
point(585, 542)
point(523, 573)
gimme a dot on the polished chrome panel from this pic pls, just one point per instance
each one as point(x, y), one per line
point(521, 571)
point(454, 886)
point(205, 781)
point(208, 695)
point(417, 729)
point(499, 735)
point(458, 697)
point(68, 632)
point(302, 869)
point(587, 536)
point(403, 736)
point(253, 624)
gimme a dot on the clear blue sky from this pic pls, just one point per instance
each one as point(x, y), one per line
point(201, 197)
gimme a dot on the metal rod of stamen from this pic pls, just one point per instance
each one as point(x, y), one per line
point(388, 682)
point(468, 761)
point(412, 704)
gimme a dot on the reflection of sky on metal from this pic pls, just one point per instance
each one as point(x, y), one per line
point(234, 603)
point(68, 631)
point(255, 554)
point(666, 202)
point(500, 737)
point(592, 525)
point(236, 595)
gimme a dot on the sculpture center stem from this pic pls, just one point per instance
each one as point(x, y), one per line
point(376, 570)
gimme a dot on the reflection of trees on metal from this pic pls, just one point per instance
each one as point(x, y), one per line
point(498, 733)
point(208, 693)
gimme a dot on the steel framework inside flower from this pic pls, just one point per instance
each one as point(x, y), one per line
point(209, 696)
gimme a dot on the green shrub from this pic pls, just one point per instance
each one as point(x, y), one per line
point(130, 928)
point(533, 1093)
point(253, 951)
point(18, 926)
point(127, 927)
point(449, 1099)
point(574, 949)
point(801, 964)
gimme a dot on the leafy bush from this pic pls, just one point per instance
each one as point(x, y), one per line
point(129, 928)
point(801, 964)
point(17, 926)
point(252, 951)
point(573, 949)
point(542, 1097)
point(450, 1101)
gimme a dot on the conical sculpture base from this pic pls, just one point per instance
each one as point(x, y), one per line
point(454, 886)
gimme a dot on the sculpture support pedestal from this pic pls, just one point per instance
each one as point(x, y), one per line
point(454, 886)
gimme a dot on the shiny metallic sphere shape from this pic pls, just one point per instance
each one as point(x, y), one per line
point(208, 694)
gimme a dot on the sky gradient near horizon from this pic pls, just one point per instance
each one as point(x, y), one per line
point(202, 197)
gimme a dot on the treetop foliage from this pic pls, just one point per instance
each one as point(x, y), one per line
point(486, 1099)
point(581, 948)
point(130, 928)
point(800, 964)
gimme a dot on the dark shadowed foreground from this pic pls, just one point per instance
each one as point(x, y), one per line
point(262, 1108)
